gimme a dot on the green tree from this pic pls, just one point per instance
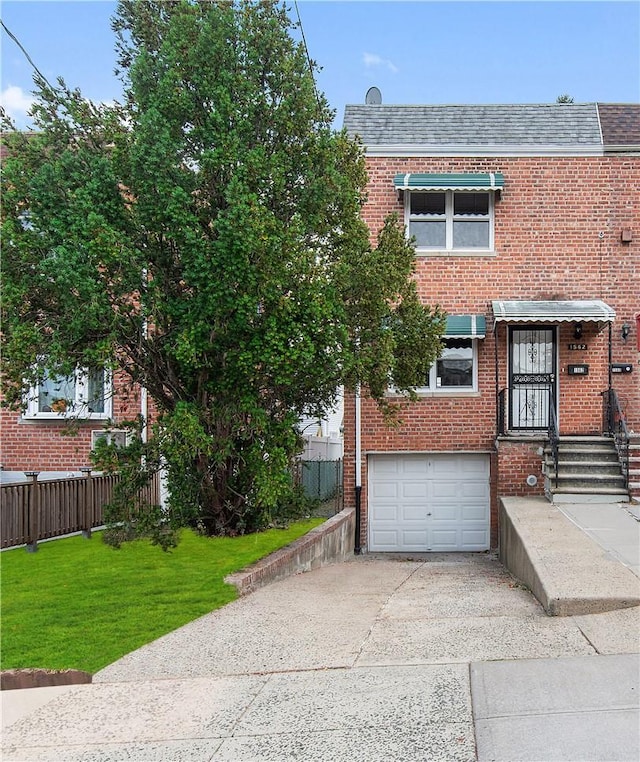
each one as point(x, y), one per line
point(203, 238)
point(566, 98)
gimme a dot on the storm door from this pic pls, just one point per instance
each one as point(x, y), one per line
point(532, 376)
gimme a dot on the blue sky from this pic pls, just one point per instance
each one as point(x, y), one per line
point(415, 52)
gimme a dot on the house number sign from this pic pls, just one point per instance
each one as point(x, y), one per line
point(581, 347)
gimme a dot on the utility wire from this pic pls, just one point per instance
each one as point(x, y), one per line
point(27, 56)
point(304, 42)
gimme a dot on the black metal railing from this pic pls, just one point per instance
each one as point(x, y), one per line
point(554, 437)
point(614, 423)
point(502, 412)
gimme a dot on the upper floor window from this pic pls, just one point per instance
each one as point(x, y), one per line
point(450, 220)
point(84, 394)
point(450, 212)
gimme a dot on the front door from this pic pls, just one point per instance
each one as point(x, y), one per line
point(532, 376)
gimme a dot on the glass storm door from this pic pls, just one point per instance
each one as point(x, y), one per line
point(532, 376)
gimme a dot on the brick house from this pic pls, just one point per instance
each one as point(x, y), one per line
point(527, 224)
point(41, 439)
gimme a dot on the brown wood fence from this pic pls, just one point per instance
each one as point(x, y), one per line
point(38, 510)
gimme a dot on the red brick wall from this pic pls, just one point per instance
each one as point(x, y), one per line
point(516, 461)
point(548, 222)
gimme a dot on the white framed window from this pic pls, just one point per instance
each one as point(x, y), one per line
point(456, 370)
point(450, 220)
point(84, 394)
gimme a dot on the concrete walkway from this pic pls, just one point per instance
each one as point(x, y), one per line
point(441, 657)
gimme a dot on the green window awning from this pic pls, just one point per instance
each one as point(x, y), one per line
point(489, 181)
point(591, 311)
point(465, 327)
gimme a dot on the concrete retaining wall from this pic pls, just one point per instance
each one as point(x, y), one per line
point(567, 571)
point(327, 543)
point(513, 554)
point(16, 679)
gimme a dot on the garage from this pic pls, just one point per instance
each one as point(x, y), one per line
point(429, 502)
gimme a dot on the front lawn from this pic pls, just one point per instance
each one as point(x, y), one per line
point(81, 604)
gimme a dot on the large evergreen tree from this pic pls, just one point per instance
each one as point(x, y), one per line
point(204, 239)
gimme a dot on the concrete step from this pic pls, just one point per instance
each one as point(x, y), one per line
point(588, 477)
point(589, 497)
point(584, 438)
point(574, 456)
point(611, 468)
point(578, 452)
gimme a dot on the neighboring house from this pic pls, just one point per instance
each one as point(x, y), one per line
point(42, 438)
point(64, 417)
point(323, 435)
point(527, 225)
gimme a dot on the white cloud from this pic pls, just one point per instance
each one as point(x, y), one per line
point(16, 102)
point(372, 60)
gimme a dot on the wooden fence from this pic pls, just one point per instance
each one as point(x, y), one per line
point(38, 510)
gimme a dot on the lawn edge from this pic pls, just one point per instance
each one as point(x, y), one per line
point(330, 542)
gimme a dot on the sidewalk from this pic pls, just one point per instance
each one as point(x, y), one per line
point(442, 657)
point(614, 526)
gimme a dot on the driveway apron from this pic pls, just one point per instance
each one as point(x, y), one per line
point(377, 658)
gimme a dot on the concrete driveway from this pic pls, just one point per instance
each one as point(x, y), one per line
point(444, 657)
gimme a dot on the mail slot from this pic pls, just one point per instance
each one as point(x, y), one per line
point(621, 367)
point(578, 370)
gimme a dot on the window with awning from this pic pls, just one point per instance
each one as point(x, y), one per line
point(450, 212)
point(456, 370)
point(487, 181)
point(466, 326)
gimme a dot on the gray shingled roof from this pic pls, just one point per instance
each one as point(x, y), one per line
point(468, 125)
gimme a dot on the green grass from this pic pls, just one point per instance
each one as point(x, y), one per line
point(81, 604)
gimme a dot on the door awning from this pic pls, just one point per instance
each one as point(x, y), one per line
point(594, 311)
point(461, 182)
point(465, 327)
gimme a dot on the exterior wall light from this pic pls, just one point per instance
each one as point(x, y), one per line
point(577, 330)
point(625, 331)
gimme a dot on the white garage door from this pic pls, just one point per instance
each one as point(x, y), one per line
point(428, 502)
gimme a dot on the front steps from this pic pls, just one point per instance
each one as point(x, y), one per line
point(588, 471)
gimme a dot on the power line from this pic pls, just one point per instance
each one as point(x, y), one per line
point(27, 56)
point(304, 42)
